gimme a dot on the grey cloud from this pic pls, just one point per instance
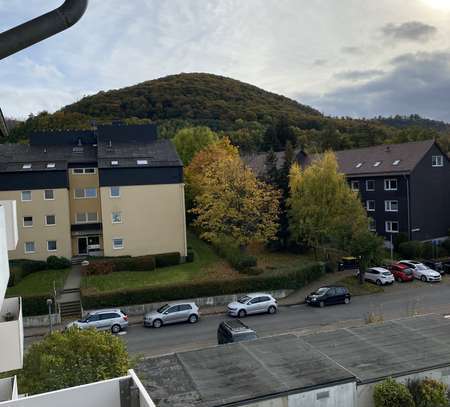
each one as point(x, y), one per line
point(416, 83)
point(320, 62)
point(410, 31)
point(352, 50)
point(358, 75)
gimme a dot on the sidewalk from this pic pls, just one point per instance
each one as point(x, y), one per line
point(297, 297)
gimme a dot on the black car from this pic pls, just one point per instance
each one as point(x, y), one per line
point(329, 295)
point(435, 265)
point(234, 331)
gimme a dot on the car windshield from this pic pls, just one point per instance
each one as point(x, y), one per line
point(243, 300)
point(245, 336)
point(421, 267)
point(387, 273)
point(163, 308)
point(407, 271)
point(321, 291)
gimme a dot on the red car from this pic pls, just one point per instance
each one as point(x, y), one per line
point(401, 272)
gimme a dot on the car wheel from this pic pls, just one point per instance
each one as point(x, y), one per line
point(157, 323)
point(242, 313)
point(379, 282)
point(321, 304)
point(115, 329)
point(347, 301)
point(272, 310)
point(424, 279)
point(193, 319)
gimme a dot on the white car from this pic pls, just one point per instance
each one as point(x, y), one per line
point(379, 276)
point(422, 272)
point(253, 304)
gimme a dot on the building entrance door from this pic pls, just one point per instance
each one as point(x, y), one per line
point(82, 245)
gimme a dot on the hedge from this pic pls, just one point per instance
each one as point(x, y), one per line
point(35, 305)
point(293, 280)
point(167, 259)
point(107, 266)
point(56, 263)
point(237, 259)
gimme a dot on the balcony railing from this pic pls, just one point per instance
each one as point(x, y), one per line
point(11, 335)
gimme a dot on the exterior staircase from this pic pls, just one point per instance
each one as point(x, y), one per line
point(77, 260)
point(69, 300)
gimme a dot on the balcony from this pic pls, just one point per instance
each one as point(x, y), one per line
point(125, 391)
point(8, 389)
point(11, 335)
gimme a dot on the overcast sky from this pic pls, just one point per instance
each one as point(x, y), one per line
point(358, 58)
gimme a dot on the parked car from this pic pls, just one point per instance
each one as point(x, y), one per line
point(422, 272)
point(234, 331)
point(435, 265)
point(253, 304)
point(348, 263)
point(171, 314)
point(401, 272)
point(329, 295)
point(379, 276)
point(113, 320)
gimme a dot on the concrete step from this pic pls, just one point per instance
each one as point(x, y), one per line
point(72, 308)
point(78, 259)
point(70, 290)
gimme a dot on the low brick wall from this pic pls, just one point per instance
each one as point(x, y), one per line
point(201, 302)
point(40, 320)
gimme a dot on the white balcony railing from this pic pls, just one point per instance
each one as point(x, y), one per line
point(11, 335)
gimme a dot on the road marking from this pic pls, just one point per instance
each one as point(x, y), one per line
point(122, 333)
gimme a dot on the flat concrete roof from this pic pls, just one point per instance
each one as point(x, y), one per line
point(239, 373)
point(236, 373)
point(394, 348)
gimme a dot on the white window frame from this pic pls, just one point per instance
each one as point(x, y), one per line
point(27, 166)
point(142, 162)
point(437, 161)
point(31, 251)
point(372, 222)
point(23, 222)
point(85, 218)
point(387, 184)
point(26, 200)
point(84, 193)
point(82, 171)
point(53, 195)
point(91, 221)
point(367, 185)
point(114, 196)
point(352, 183)
point(49, 224)
point(56, 246)
point(388, 226)
point(51, 165)
point(114, 162)
point(118, 247)
point(368, 206)
point(388, 205)
point(119, 215)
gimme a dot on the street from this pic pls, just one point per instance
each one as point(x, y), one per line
point(398, 301)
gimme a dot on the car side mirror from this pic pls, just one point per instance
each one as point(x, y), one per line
point(166, 312)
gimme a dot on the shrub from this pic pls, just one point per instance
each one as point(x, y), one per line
point(428, 250)
point(96, 355)
point(22, 268)
point(56, 263)
point(412, 249)
point(398, 239)
point(110, 265)
point(446, 245)
point(35, 305)
point(31, 266)
point(428, 393)
point(293, 280)
point(389, 393)
point(331, 266)
point(167, 259)
point(238, 259)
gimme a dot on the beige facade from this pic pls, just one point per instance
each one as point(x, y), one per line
point(148, 219)
point(49, 223)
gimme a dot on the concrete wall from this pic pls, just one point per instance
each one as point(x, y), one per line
point(12, 233)
point(11, 336)
point(201, 302)
point(343, 395)
point(153, 220)
point(38, 208)
point(6, 389)
point(365, 391)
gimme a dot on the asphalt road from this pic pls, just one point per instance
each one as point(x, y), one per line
point(397, 301)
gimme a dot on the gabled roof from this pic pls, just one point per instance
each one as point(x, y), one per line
point(392, 158)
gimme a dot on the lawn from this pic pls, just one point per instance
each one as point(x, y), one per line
point(355, 288)
point(205, 266)
point(40, 282)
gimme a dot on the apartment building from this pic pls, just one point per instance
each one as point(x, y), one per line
point(112, 191)
point(405, 188)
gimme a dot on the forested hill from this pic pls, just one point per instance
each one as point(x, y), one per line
point(252, 118)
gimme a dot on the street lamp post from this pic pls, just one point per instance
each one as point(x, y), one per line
point(49, 303)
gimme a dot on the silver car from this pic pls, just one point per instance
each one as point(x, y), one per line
point(113, 320)
point(171, 314)
point(253, 304)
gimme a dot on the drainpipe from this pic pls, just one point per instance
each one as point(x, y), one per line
point(409, 207)
point(41, 28)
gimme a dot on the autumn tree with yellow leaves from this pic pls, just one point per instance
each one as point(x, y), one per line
point(228, 198)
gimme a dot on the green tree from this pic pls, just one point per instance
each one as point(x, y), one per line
point(429, 393)
point(234, 203)
point(271, 170)
point(191, 140)
point(389, 393)
point(72, 358)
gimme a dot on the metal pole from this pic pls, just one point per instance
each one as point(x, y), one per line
point(49, 303)
point(392, 249)
point(47, 25)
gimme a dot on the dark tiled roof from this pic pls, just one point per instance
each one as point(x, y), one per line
point(257, 162)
